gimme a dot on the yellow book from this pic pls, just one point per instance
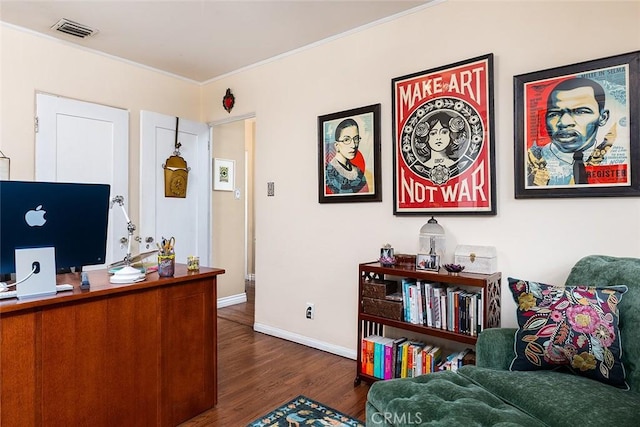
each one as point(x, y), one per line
point(405, 357)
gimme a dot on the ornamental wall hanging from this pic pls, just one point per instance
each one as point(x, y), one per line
point(443, 154)
point(228, 101)
point(176, 172)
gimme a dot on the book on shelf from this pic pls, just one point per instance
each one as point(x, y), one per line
point(442, 315)
point(404, 359)
point(406, 297)
point(368, 346)
point(435, 355)
point(382, 358)
point(395, 366)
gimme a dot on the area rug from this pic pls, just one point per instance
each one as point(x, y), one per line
point(303, 411)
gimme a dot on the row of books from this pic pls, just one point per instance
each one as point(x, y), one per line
point(443, 307)
point(387, 358)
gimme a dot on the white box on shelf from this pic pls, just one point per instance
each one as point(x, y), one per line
point(477, 259)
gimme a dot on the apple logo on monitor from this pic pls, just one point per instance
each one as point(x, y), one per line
point(35, 217)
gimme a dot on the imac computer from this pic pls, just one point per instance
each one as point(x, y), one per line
point(71, 218)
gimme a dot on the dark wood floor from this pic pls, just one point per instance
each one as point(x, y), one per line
point(258, 372)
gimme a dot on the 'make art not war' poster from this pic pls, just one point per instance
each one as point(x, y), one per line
point(443, 140)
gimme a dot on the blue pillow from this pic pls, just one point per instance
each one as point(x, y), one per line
point(574, 326)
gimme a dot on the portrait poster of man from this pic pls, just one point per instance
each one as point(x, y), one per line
point(348, 153)
point(574, 132)
point(443, 140)
point(578, 118)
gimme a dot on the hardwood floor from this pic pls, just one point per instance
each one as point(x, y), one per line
point(258, 372)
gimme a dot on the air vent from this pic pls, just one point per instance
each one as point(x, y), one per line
point(74, 29)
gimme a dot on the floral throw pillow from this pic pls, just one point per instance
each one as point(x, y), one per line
point(575, 326)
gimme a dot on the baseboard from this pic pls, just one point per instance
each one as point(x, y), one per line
point(232, 300)
point(309, 342)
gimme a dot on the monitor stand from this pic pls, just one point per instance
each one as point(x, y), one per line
point(43, 280)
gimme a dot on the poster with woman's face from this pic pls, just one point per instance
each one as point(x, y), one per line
point(443, 140)
point(348, 154)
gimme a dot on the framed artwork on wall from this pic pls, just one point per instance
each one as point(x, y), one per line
point(576, 129)
point(443, 154)
point(223, 174)
point(349, 156)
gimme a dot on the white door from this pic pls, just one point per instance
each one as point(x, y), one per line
point(79, 141)
point(185, 219)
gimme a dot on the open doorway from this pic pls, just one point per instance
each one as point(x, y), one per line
point(232, 208)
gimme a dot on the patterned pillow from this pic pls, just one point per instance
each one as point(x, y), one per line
point(575, 326)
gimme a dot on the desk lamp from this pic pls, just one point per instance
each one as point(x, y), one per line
point(126, 274)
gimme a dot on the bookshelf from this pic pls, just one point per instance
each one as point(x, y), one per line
point(373, 323)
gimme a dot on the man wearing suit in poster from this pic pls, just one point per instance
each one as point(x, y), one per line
point(575, 112)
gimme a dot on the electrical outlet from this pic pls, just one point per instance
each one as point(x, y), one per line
point(310, 311)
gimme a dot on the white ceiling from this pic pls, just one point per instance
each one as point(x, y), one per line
point(202, 39)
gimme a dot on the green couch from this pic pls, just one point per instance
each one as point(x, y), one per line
point(488, 394)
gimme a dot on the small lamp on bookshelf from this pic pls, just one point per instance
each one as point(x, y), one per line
point(432, 239)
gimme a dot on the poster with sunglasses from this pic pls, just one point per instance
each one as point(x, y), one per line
point(443, 154)
point(349, 156)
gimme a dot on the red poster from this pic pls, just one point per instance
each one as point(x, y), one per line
point(443, 140)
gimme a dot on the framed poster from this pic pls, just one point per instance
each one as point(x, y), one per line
point(576, 129)
point(443, 154)
point(349, 156)
point(223, 174)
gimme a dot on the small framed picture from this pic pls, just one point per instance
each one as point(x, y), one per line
point(223, 174)
point(428, 262)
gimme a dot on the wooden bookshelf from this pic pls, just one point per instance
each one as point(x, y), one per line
point(372, 324)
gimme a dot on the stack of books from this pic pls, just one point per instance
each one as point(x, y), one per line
point(387, 358)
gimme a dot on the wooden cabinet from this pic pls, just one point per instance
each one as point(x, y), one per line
point(375, 324)
point(142, 354)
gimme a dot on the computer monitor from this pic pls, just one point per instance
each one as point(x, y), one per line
point(71, 217)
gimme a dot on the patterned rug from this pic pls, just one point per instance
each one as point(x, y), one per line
point(303, 411)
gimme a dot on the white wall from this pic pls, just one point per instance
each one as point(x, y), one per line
point(309, 252)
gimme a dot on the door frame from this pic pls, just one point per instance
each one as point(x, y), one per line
point(228, 120)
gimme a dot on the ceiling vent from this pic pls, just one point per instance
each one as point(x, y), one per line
point(74, 29)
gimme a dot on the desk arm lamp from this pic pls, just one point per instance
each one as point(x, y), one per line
point(127, 274)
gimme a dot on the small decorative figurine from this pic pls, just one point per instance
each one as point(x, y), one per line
point(386, 256)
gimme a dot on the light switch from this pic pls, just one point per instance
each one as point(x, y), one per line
point(271, 189)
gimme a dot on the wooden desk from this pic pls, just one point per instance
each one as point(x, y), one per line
point(140, 354)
